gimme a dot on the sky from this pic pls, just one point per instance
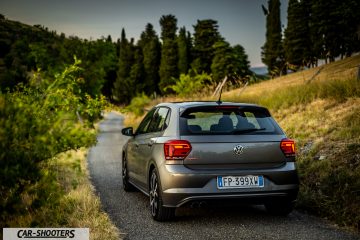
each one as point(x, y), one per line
point(240, 21)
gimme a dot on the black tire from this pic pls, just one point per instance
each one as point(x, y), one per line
point(125, 176)
point(157, 210)
point(280, 207)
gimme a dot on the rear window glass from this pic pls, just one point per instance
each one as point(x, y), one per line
point(227, 120)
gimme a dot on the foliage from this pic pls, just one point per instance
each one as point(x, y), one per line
point(149, 42)
point(37, 122)
point(123, 88)
point(137, 104)
point(120, 70)
point(184, 45)
point(314, 33)
point(137, 72)
point(206, 34)
point(229, 61)
point(190, 84)
point(335, 30)
point(40, 48)
point(297, 43)
point(169, 52)
point(272, 51)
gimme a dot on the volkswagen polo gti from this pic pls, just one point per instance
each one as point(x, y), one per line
point(193, 152)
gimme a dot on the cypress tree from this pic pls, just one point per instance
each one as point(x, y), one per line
point(272, 51)
point(206, 34)
point(348, 21)
point(149, 42)
point(137, 73)
point(334, 26)
point(325, 29)
point(297, 36)
point(184, 51)
point(122, 91)
point(169, 54)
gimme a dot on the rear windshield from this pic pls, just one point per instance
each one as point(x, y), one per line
point(226, 120)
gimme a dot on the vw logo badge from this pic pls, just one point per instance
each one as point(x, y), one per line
point(238, 149)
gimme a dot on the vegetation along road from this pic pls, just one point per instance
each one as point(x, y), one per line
point(130, 213)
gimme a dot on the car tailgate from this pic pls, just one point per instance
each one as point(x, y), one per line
point(234, 152)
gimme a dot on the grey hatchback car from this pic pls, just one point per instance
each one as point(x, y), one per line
point(188, 153)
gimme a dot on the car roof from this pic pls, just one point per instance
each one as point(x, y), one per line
point(206, 103)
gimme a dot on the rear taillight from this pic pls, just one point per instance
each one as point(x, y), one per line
point(288, 147)
point(176, 149)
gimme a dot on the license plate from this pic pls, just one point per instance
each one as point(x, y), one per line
point(225, 182)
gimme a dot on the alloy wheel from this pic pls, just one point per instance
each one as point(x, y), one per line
point(154, 194)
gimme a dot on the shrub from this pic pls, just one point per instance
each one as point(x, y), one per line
point(36, 123)
point(189, 84)
point(137, 104)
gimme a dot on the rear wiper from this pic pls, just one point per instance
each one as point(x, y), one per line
point(240, 131)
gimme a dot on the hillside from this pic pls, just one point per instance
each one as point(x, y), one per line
point(25, 49)
point(320, 109)
point(343, 69)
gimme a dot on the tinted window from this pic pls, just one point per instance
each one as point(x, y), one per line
point(144, 125)
point(227, 120)
point(158, 121)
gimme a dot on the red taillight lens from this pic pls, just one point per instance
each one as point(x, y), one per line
point(176, 149)
point(288, 147)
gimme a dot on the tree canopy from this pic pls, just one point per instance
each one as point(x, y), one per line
point(121, 69)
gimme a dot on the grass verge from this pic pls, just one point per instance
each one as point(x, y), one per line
point(328, 136)
point(64, 197)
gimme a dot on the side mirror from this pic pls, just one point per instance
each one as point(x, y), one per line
point(127, 131)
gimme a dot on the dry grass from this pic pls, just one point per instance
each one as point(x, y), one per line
point(74, 203)
point(317, 119)
point(344, 69)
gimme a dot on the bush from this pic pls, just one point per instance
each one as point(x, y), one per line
point(137, 104)
point(189, 84)
point(36, 123)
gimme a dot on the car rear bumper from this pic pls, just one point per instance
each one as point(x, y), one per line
point(182, 185)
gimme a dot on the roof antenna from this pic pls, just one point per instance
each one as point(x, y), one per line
point(219, 89)
point(219, 100)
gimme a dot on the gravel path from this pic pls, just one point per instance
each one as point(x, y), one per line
point(130, 211)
